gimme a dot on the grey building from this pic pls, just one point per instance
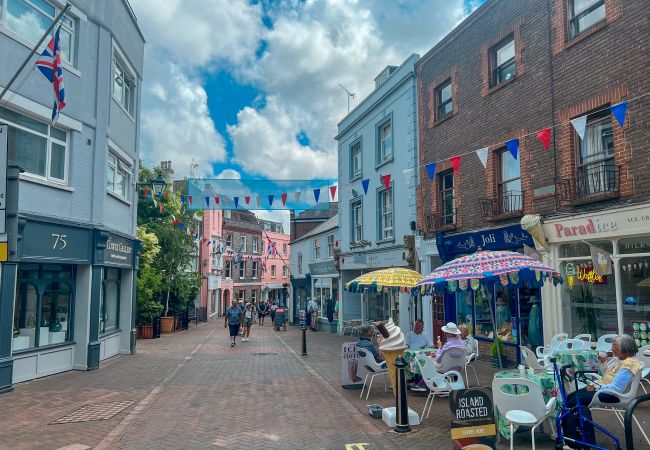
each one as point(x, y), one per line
point(376, 139)
point(67, 292)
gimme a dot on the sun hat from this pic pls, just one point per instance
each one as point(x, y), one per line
point(451, 328)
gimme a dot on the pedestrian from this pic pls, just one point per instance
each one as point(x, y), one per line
point(242, 308)
point(248, 322)
point(262, 311)
point(231, 320)
point(273, 306)
point(312, 308)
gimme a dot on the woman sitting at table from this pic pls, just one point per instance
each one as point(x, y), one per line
point(453, 340)
point(418, 338)
point(470, 343)
point(617, 375)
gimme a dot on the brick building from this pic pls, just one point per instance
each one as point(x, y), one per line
point(510, 69)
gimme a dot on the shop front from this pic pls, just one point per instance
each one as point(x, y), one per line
point(301, 295)
point(511, 314)
point(617, 302)
point(325, 289)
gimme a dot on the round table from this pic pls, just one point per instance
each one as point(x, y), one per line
point(409, 357)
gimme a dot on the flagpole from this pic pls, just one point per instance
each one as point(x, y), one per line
point(34, 50)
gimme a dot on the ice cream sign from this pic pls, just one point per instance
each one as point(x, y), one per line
point(589, 275)
point(585, 228)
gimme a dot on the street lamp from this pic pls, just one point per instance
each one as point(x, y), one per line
point(158, 185)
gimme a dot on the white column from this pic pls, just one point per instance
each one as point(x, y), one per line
point(82, 316)
point(427, 314)
point(340, 325)
point(404, 311)
point(619, 293)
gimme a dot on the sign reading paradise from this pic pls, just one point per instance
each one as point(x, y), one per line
point(472, 419)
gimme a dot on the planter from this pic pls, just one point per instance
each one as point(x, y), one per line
point(167, 324)
point(145, 331)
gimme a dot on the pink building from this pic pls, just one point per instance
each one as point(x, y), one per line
point(276, 275)
point(211, 262)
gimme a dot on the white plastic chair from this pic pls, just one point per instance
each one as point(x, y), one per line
point(452, 359)
point(438, 383)
point(548, 350)
point(571, 344)
point(522, 409)
point(624, 399)
point(374, 369)
point(604, 343)
point(645, 359)
point(586, 337)
point(530, 359)
point(470, 360)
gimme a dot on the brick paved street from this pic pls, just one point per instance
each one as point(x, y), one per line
point(191, 390)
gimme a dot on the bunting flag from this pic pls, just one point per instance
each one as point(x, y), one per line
point(513, 147)
point(167, 195)
point(271, 200)
point(332, 192)
point(190, 198)
point(146, 192)
point(207, 202)
point(408, 176)
point(236, 200)
point(160, 208)
point(316, 194)
point(216, 200)
point(455, 163)
point(176, 220)
point(284, 199)
point(482, 154)
point(297, 196)
point(385, 179)
point(431, 170)
point(247, 199)
point(365, 183)
point(619, 111)
point(258, 200)
point(183, 199)
point(544, 137)
point(580, 124)
point(181, 225)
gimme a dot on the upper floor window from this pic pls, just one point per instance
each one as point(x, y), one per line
point(228, 269)
point(42, 149)
point(447, 198)
point(330, 245)
point(254, 269)
point(118, 175)
point(443, 94)
point(30, 18)
point(242, 244)
point(597, 171)
point(242, 269)
point(273, 274)
point(299, 263)
point(240, 295)
point(229, 240)
point(254, 296)
point(357, 220)
point(385, 149)
point(317, 248)
point(355, 160)
point(284, 249)
point(509, 182)
point(284, 271)
point(123, 84)
point(385, 200)
point(502, 57)
point(255, 245)
point(584, 14)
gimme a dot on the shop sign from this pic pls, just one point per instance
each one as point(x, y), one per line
point(322, 268)
point(586, 228)
point(589, 275)
point(55, 242)
point(505, 238)
point(352, 373)
point(214, 282)
point(472, 418)
point(119, 251)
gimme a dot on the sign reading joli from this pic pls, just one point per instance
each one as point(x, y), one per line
point(119, 251)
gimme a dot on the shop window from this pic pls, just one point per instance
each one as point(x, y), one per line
point(502, 57)
point(597, 171)
point(240, 296)
point(584, 14)
point(510, 195)
point(110, 301)
point(447, 198)
point(635, 287)
point(582, 249)
point(383, 305)
point(444, 99)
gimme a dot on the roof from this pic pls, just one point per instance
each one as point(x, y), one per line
point(330, 224)
point(318, 213)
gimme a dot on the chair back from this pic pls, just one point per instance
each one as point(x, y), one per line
point(453, 359)
point(555, 341)
point(368, 361)
point(529, 358)
point(644, 359)
point(585, 337)
point(604, 343)
point(531, 401)
point(571, 344)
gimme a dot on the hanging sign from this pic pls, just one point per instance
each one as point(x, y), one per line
point(472, 419)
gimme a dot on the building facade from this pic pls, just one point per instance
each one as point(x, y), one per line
point(275, 266)
point(376, 140)
point(211, 257)
point(511, 69)
point(67, 292)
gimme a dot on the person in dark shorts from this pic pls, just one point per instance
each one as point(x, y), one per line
point(248, 322)
point(262, 311)
point(273, 306)
point(232, 318)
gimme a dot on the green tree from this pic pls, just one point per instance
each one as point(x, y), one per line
point(149, 280)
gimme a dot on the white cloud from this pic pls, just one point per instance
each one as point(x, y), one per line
point(228, 174)
point(276, 216)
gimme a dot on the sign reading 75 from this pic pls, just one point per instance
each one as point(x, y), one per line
point(59, 241)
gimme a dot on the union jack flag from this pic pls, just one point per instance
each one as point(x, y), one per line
point(50, 65)
point(271, 250)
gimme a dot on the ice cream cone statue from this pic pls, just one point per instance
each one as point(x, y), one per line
point(392, 347)
point(532, 223)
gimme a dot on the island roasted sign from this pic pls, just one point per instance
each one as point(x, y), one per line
point(472, 419)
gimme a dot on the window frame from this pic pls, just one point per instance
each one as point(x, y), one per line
point(356, 204)
point(118, 165)
point(242, 244)
point(495, 67)
point(299, 261)
point(573, 18)
point(440, 104)
point(228, 269)
point(274, 271)
point(254, 269)
point(284, 271)
point(127, 74)
point(317, 248)
point(229, 241)
point(330, 245)
point(507, 205)
point(284, 248)
point(356, 174)
point(381, 229)
point(605, 160)
point(242, 269)
point(103, 304)
point(255, 245)
point(381, 157)
point(441, 193)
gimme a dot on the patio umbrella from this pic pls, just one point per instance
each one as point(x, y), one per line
point(395, 277)
point(490, 266)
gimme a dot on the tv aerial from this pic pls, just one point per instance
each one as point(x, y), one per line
point(349, 93)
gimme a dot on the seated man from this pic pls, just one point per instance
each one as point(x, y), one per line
point(365, 343)
point(418, 338)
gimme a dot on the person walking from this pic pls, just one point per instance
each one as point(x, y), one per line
point(312, 309)
point(273, 307)
point(231, 321)
point(248, 322)
point(262, 311)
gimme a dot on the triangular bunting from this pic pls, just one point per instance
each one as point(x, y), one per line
point(284, 199)
point(364, 184)
point(271, 200)
point(297, 196)
point(385, 179)
point(236, 200)
point(455, 163)
point(316, 194)
point(482, 154)
point(146, 192)
point(544, 137)
point(160, 207)
point(332, 192)
point(183, 199)
point(190, 198)
point(207, 201)
point(258, 200)
point(408, 176)
point(580, 124)
point(619, 111)
point(247, 199)
point(431, 170)
point(513, 147)
point(216, 200)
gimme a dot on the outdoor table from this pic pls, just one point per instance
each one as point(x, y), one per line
point(580, 359)
point(543, 379)
point(412, 368)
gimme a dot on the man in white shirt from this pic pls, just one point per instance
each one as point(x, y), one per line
point(418, 339)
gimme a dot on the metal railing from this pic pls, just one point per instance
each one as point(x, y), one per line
point(593, 181)
point(433, 222)
point(506, 203)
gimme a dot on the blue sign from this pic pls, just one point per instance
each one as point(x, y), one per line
point(511, 237)
point(631, 300)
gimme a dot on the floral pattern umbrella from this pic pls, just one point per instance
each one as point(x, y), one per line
point(395, 277)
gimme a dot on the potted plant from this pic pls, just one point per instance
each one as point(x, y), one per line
point(147, 311)
point(497, 350)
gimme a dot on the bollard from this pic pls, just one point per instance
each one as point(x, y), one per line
point(401, 407)
point(304, 340)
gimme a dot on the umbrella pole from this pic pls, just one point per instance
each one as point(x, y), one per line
point(494, 326)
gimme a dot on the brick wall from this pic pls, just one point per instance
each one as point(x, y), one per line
point(557, 79)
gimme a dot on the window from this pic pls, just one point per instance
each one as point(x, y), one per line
point(330, 245)
point(254, 272)
point(229, 241)
point(357, 221)
point(242, 244)
point(255, 245)
point(123, 84)
point(502, 57)
point(242, 269)
point(443, 94)
point(509, 183)
point(284, 249)
point(43, 308)
point(447, 198)
point(385, 150)
point(597, 171)
point(385, 200)
point(118, 175)
point(273, 271)
point(253, 296)
point(284, 271)
point(317, 248)
point(355, 160)
point(583, 14)
point(228, 269)
point(299, 263)
point(240, 296)
point(109, 306)
point(42, 149)
point(30, 18)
